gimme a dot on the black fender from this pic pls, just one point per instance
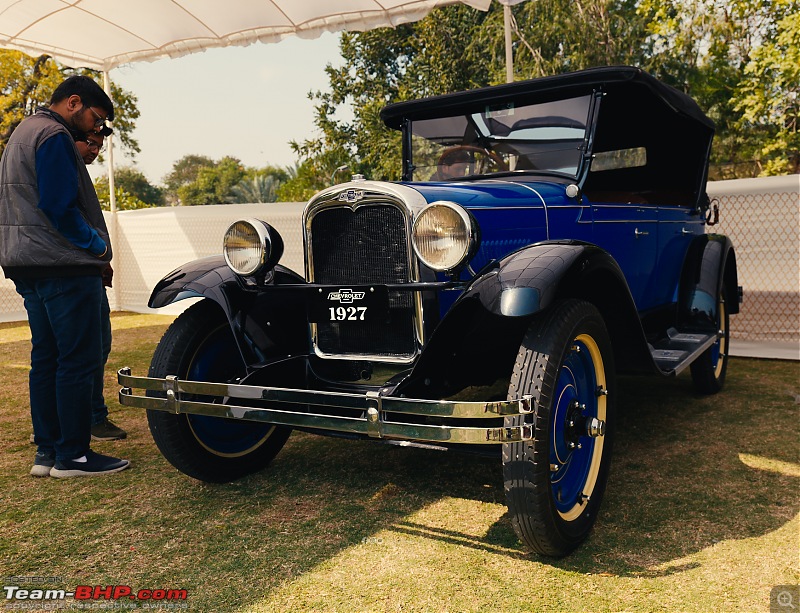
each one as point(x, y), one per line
point(710, 263)
point(478, 339)
point(259, 319)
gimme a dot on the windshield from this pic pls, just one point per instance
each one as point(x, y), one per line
point(546, 137)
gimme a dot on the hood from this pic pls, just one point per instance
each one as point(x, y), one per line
point(494, 193)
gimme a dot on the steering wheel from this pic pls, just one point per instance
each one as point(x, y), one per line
point(448, 158)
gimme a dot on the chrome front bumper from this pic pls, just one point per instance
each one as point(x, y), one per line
point(371, 423)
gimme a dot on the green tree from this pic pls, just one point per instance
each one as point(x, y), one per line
point(184, 171)
point(735, 57)
point(303, 182)
point(703, 47)
point(556, 36)
point(124, 200)
point(135, 184)
point(27, 83)
point(259, 188)
point(455, 48)
point(213, 184)
point(433, 56)
point(769, 97)
point(261, 184)
point(278, 173)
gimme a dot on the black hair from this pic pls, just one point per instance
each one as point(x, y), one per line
point(90, 92)
point(78, 136)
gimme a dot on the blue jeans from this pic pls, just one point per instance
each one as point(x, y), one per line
point(65, 317)
point(99, 407)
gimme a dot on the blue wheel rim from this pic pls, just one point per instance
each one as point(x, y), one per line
point(218, 359)
point(574, 455)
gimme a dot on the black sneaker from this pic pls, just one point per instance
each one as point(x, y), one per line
point(108, 431)
point(42, 464)
point(95, 464)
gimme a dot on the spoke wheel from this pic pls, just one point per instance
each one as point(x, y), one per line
point(555, 483)
point(199, 346)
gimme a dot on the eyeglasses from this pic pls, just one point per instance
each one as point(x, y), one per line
point(100, 121)
point(95, 146)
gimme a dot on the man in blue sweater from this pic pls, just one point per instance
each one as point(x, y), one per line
point(54, 245)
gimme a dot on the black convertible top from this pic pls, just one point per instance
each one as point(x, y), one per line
point(616, 79)
point(636, 110)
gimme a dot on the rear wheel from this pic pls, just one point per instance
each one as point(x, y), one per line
point(199, 346)
point(555, 483)
point(708, 371)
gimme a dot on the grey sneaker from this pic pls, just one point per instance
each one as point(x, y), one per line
point(42, 464)
point(108, 431)
point(95, 464)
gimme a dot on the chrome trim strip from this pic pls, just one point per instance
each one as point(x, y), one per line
point(372, 423)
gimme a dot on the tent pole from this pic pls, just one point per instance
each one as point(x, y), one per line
point(509, 50)
point(112, 196)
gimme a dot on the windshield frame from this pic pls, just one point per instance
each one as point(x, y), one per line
point(477, 122)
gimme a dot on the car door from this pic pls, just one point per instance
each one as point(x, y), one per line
point(629, 232)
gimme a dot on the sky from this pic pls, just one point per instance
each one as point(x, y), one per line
point(247, 102)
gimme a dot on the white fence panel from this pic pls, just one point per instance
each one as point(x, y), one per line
point(150, 243)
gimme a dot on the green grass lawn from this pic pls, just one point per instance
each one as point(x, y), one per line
point(701, 512)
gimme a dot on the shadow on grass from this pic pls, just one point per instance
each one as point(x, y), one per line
point(677, 487)
point(678, 483)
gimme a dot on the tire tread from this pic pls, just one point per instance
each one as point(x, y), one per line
point(526, 481)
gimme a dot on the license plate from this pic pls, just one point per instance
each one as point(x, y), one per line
point(350, 305)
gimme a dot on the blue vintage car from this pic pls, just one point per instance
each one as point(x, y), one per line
point(546, 235)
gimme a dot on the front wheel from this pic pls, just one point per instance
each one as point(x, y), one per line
point(199, 346)
point(554, 484)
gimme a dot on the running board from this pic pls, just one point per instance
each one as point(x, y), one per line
point(675, 353)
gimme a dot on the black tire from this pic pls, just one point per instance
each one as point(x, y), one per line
point(199, 345)
point(553, 491)
point(708, 371)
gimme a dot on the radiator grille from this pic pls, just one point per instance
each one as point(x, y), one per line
point(357, 247)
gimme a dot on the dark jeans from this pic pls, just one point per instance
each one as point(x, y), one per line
point(99, 407)
point(66, 337)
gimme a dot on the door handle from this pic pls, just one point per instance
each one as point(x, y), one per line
point(686, 232)
point(639, 232)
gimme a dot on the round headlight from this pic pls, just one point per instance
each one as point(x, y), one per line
point(246, 246)
point(444, 236)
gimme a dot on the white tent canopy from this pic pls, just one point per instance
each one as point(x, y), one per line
point(102, 34)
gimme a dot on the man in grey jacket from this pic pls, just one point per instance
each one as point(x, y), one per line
point(54, 245)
